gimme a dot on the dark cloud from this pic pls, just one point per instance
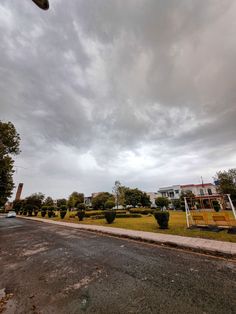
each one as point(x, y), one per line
point(141, 91)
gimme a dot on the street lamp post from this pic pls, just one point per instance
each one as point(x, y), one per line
point(43, 4)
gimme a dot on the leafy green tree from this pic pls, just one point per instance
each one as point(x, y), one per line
point(61, 201)
point(162, 202)
point(48, 201)
point(74, 199)
point(9, 145)
point(145, 200)
point(133, 197)
point(18, 205)
point(35, 199)
point(227, 183)
point(98, 202)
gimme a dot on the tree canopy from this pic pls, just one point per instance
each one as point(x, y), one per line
point(99, 201)
point(227, 183)
point(35, 199)
point(9, 145)
point(74, 199)
point(162, 202)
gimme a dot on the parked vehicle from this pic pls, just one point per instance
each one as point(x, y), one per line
point(11, 214)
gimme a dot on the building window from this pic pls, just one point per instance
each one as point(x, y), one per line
point(201, 192)
point(209, 191)
point(176, 191)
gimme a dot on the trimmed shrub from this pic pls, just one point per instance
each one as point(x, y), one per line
point(29, 209)
point(63, 211)
point(44, 211)
point(36, 210)
point(128, 215)
point(81, 206)
point(51, 211)
point(109, 204)
point(162, 219)
point(110, 215)
point(216, 206)
point(143, 211)
point(81, 214)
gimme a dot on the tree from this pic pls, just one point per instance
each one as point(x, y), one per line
point(133, 197)
point(145, 200)
point(227, 183)
point(74, 199)
point(9, 145)
point(189, 195)
point(162, 202)
point(116, 191)
point(98, 202)
point(61, 201)
point(35, 199)
point(48, 201)
point(18, 205)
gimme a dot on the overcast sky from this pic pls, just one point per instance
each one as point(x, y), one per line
point(138, 91)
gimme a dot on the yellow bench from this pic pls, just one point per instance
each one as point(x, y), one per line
point(200, 219)
point(222, 220)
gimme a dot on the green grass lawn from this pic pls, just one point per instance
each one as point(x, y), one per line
point(177, 226)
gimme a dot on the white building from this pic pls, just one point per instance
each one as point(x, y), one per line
point(153, 196)
point(171, 192)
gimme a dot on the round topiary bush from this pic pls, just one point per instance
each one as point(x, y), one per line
point(81, 214)
point(36, 210)
point(109, 204)
point(29, 208)
point(50, 211)
point(63, 211)
point(110, 216)
point(216, 206)
point(44, 211)
point(162, 219)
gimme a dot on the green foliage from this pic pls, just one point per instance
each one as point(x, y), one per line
point(81, 214)
point(29, 208)
point(110, 215)
point(133, 197)
point(188, 195)
point(109, 204)
point(18, 205)
point(74, 199)
point(48, 201)
point(44, 211)
point(81, 206)
point(50, 210)
point(162, 202)
point(177, 204)
point(63, 211)
point(35, 199)
point(162, 218)
point(216, 205)
point(227, 183)
point(61, 201)
point(98, 202)
point(145, 200)
point(143, 211)
point(9, 145)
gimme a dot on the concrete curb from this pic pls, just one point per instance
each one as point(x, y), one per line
point(199, 245)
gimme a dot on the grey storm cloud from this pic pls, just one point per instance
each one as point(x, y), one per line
point(140, 91)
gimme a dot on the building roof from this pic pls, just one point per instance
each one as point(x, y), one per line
point(196, 185)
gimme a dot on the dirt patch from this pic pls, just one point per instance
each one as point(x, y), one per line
point(7, 304)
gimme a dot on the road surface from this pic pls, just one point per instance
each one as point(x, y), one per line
point(53, 269)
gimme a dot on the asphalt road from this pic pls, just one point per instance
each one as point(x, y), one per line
point(54, 269)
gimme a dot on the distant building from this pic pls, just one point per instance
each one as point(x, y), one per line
point(153, 196)
point(171, 192)
point(88, 201)
point(200, 189)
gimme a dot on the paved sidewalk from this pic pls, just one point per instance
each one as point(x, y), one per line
point(213, 247)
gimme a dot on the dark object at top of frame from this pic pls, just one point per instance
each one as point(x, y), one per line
point(43, 4)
